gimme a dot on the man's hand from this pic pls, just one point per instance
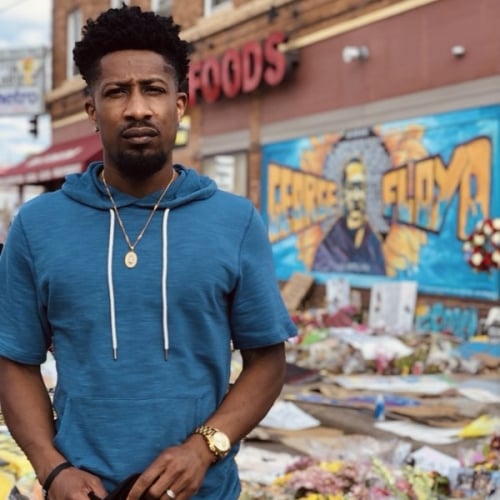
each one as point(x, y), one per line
point(76, 484)
point(179, 469)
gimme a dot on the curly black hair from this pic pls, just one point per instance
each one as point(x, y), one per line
point(130, 28)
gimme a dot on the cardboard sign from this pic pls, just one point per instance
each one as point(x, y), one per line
point(295, 290)
point(338, 294)
point(392, 306)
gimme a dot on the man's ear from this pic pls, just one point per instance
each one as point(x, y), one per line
point(182, 100)
point(90, 110)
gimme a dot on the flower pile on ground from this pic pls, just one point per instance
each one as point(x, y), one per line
point(373, 478)
point(311, 479)
point(435, 352)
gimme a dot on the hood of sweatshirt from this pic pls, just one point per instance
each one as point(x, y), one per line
point(88, 189)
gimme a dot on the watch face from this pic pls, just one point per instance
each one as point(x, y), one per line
point(221, 441)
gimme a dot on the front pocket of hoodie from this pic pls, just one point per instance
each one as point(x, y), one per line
point(117, 437)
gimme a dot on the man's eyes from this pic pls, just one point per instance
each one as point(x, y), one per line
point(115, 92)
point(150, 89)
point(155, 90)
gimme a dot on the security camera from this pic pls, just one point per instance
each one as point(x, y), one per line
point(458, 51)
point(351, 53)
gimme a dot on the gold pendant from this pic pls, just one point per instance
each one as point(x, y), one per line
point(130, 259)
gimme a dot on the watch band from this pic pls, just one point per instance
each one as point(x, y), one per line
point(217, 441)
point(205, 430)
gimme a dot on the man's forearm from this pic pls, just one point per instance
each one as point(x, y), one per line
point(253, 393)
point(249, 399)
point(27, 409)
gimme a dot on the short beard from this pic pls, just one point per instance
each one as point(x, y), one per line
point(140, 165)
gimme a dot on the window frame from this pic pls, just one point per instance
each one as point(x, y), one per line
point(238, 164)
point(155, 7)
point(116, 4)
point(73, 34)
point(211, 6)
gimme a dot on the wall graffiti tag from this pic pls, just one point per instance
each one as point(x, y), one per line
point(393, 201)
point(461, 321)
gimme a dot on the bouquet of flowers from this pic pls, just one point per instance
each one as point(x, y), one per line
point(482, 247)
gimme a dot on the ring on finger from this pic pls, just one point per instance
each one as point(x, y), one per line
point(170, 494)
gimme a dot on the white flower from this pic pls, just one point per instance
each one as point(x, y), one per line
point(478, 240)
point(495, 257)
point(487, 229)
point(476, 259)
point(495, 238)
point(467, 246)
point(496, 224)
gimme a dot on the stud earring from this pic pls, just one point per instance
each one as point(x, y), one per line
point(96, 128)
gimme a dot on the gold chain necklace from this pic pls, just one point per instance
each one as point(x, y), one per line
point(131, 256)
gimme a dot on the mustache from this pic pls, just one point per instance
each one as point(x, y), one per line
point(142, 124)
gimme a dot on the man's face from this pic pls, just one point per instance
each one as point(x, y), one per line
point(137, 108)
point(355, 194)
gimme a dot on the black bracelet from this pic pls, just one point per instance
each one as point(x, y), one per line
point(52, 476)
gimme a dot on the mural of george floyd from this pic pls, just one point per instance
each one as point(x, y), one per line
point(394, 201)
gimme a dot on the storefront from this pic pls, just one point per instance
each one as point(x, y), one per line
point(411, 100)
point(288, 100)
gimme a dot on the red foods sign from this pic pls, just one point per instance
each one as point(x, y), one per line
point(238, 71)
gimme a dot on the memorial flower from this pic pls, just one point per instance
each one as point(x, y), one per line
point(482, 247)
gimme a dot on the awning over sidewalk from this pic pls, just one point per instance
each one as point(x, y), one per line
point(55, 162)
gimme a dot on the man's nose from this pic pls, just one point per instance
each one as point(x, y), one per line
point(137, 106)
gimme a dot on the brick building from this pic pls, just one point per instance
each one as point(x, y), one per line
point(410, 68)
point(271, 73)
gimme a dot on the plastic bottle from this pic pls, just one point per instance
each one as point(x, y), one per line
point(379, 411)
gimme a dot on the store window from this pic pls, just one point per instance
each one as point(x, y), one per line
point(229, 171)
point(116, 4)
point(74, 24)
point(215, 5)
point(162, 7)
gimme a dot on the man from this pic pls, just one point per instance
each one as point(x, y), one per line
point(142, 276)
point(351, 245)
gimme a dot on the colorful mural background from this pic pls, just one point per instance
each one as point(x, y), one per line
point(398, 200)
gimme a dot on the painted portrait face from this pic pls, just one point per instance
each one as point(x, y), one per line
point(354, 193)
point(137, 107)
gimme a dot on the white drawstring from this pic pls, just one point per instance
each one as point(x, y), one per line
point(114, 337)
point(111, 291)
point(164, 282)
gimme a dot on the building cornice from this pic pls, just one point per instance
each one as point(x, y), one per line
point(355, 23)
point(69, 120)
point(226, 18)
point(68, 87)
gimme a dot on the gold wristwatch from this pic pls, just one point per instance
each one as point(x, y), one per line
point(218, 442)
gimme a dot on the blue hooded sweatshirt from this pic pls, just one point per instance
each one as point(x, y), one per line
point(142, 354)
